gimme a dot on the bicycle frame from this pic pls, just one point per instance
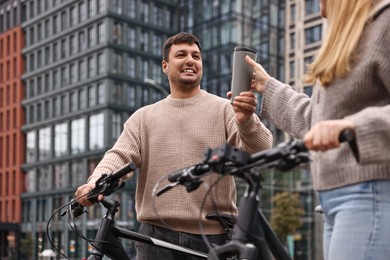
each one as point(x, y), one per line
point(107, 242)
point(252, 238)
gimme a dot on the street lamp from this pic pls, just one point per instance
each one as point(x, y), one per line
point(154, 84)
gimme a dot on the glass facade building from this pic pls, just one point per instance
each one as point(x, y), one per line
point(12, 138)
point(89, 64)
point(85, 68)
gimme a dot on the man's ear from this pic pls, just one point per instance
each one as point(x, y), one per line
point(164, 66)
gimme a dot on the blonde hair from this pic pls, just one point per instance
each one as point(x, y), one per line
point(346, 22)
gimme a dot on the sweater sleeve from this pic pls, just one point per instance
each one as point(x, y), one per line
point(251, 136)
point(125, 150)
point(289, 110)
point(372, 124)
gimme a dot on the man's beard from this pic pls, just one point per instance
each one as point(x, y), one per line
point(189, 84)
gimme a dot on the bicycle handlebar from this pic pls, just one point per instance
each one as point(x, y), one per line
point(230, 160)
point(105, 185)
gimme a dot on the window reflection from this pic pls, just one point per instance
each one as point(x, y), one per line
point(96, 131)
point(77, 174)
point(31, 155)
point(60, 140)
point(60, 176)
point(78, 136)
point(31, 181)
point(44, 143)
point(117, 125)
point(44, 179)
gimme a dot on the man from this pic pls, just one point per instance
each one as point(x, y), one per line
point(174, 133)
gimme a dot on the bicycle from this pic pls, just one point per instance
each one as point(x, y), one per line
point(252, 236)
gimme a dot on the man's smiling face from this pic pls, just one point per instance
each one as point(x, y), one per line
point(184, 66)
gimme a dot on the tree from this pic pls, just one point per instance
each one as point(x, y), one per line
point(286, 214)
point(26, 246)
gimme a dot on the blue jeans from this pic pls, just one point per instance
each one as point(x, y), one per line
point(193, 241)
point(357, 221)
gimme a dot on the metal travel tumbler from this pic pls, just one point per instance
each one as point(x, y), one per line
point(241, 71)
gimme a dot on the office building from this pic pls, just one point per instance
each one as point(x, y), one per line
point(86, 65)
point(89, 64)
point(11, 122)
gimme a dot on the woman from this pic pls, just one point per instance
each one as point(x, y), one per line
point(351, 74)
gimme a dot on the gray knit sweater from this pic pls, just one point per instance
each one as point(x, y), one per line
point(362, 96)
point(172, 134)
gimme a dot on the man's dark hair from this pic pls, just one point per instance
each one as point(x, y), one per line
point(181, 37)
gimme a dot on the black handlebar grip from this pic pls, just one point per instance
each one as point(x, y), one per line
point(300, 146)
point(123, 171)
point(347, 135)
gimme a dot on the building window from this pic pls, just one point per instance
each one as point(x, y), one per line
point(312, 6)
point(117, 93)
point(64, 76)
point(130, 66)
point(63, 48)
point(130, 96)
point(91, 96)
point(91, 8)
point(96, 131)
point(60, 139)
point(60, 179)
point(76, 174)
point(131, 8)
point(72, 102)
point(144, 41)
point(117, 6)
point(101, 33)
point(118, 63)
point(47, 28)
point(31, 182)
point(64, 20)
point(91, 37)
point(157, 15)
point(101, 68)
point(47, 55)
point(131, 39)
point(82, 98)
point(72, 44)
point(55, 79)
point(116, 126)
point(55, 24)
point(78, 136)
point(101, 6)
point(145, 13)
point(156, 44)
point(117, 33)
point(31, 153)
point(32, 62)
point(101, 95)
point(82, 70)
point(313, 34)
point(82, 12)
point(73, 16)
point(44, 143)
point(292, 41)
point(55, 52)
point(292, 69)
point(293, 13)
point(82, 41)
point(91, 67)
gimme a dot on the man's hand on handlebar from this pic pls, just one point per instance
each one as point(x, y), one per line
point(81, 195)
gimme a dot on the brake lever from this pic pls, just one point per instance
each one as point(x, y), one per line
point(167, 188)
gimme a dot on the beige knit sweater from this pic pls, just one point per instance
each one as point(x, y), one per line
point(362, 96)
point(172, 134)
